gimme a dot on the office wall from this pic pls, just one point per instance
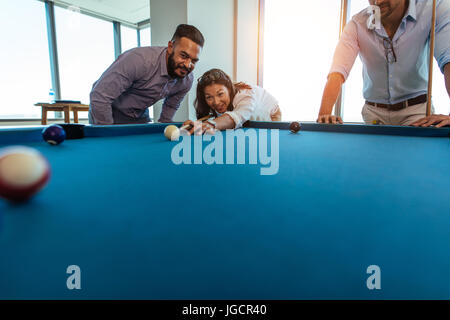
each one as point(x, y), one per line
point(165, 16)
point(216, 19)
point(247, 41)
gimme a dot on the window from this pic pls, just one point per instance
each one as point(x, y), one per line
point(145, 37)
point(24, 59)
point(129, 38)
point(353, 99)
point(299, 42)
point(439, 94)
point(85, 51)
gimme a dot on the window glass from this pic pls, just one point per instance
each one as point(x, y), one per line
point(298, 51)
point(145, 37)
point(85, 50)
point(129, 38)
point(24, 59)
point(353, 100)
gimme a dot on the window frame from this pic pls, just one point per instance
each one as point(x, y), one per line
point(53, 48)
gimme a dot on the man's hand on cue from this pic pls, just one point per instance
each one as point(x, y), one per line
point(439, 120)
point(328, 118)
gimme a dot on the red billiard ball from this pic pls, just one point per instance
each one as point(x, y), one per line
point(295, 127)
point(54, 134)
point(23, 172)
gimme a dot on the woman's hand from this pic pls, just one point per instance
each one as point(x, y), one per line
point(198, 128)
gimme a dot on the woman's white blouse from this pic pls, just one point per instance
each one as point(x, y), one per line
point(252, 104)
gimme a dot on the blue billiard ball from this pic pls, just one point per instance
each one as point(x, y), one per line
point(54, 134)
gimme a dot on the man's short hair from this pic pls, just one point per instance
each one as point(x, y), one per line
point(190, 32)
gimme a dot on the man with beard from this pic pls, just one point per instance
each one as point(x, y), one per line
point(393, 44)
point(142, 76)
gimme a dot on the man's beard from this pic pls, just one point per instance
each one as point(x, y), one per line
point(388, 12)
point(171, 66)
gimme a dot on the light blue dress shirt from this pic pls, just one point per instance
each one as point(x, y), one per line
point(392, 82)
point(133, 83)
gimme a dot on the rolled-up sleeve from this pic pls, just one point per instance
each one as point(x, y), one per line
point(346, 51)
point(244, 105)
point(442, 44)
point(113, 82)
point(172, 103)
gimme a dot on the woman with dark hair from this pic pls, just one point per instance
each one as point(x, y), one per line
point(231, 104)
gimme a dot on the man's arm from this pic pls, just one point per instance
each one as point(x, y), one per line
point(172, 103)
point(438, 120)
point(447, 78)
point(329, 97)
point(113, 82)
point(442, 42)
point(343, 60)
point(442, 55)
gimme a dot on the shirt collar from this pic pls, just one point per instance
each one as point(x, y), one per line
point(163, 64)
point(412, 13)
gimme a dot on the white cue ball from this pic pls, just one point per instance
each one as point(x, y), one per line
point(168, 131)
point(172, 132)
point(175, 135)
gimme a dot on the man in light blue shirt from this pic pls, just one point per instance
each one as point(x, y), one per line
point(142, 76)
point(395, 60)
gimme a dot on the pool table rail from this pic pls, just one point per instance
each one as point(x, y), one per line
point(78, 131)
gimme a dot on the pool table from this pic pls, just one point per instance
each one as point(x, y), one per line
point(348, 212)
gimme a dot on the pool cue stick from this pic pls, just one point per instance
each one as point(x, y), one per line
point(205, 117)
point(342, 24)
point(201, 119)
point(430, 67)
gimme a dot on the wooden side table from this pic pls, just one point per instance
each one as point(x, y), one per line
point(62, 106)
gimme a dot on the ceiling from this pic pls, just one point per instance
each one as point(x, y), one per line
point(129, 11)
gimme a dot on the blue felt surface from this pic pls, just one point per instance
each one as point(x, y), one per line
point(141, 227)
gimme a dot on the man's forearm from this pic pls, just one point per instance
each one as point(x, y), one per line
point(100, 109)
point(171, 105)
point(167, 113)
point(331, 93)
point(447, 77)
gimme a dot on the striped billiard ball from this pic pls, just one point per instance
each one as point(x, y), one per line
point(295, 127)
point(23, 172)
